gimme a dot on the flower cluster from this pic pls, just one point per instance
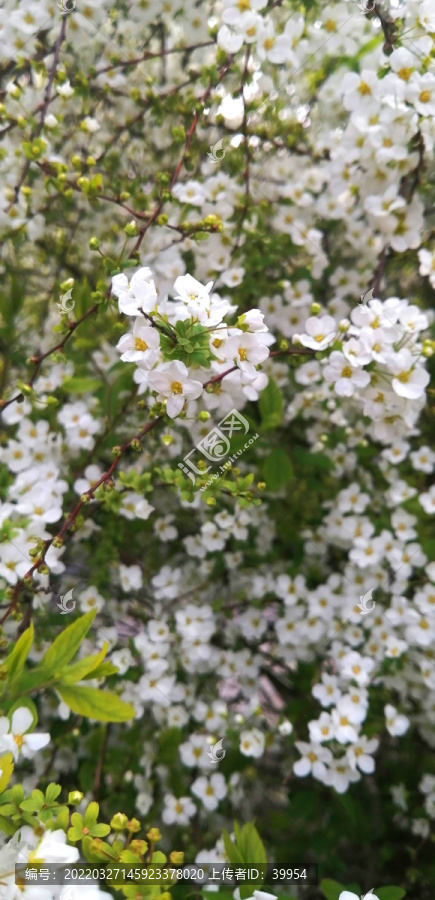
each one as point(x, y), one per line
point(186, 328)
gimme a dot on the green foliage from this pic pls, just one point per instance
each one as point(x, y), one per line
point(190, 344)
point(271, 406)
point(95, 704)
point(247, 849)
point(54, 671)
point(277, 469)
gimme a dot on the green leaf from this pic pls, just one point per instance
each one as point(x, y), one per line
point(7, 826)
point(33, 803)
point(15, 661)
point(100, 830)
point(52, 793)
point(84, 668)
point(94, 704)
point(123, 383)
point(331, 889)
point(233, 853)
point(277, 469)
point(102, 671)
point(6, 769)
point(91, 814)
point(81, 385)
point(271, 405)
point(391, 893)
point(65, 646)
point(250, 845)
point(62, 818)
point(317, 461)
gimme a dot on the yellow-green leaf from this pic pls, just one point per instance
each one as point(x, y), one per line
point(84, 667)
point(94, 704)
point(65, 646)
point(6, 769)
point(15, 661)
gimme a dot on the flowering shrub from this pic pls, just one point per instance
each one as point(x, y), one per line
point(218, 270)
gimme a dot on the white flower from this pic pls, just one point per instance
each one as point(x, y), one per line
point(262, 895)
point(427, 501)
point(229, 40)
point(321, 729)
point(172, 381)
point(141, 344)
point(13, 737)
point(247, 351)
point(285, 727)
point(156, 689)
point(361, 91)
point(194, 752)
point(339, 775)
point(232, 277)
point(359, 754)
point(344, 376)
point(396, 723)
point(348, 895)
point(409, 379)
point(133, 506)
point(164, 529)
point(210, 790)
point(314, 757)
point(320, 332)
point(130, 577)
point(65, 90)
point(427, 262)
point(91, 599)
point(426, 15)
point(252, 743)
point(275, 48)
point(191, 192)
point(137, 295)
point(178, 810)
point(421, 92)
point(357, 667)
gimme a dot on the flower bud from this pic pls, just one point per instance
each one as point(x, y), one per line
point(119, 822)
point(154, 835)
point(131, 229)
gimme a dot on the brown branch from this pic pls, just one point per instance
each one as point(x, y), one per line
point(146, 56)
point(99, 769)
point(38, 360)
point(179, 165)
point(70, 519)
point(379, 271)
